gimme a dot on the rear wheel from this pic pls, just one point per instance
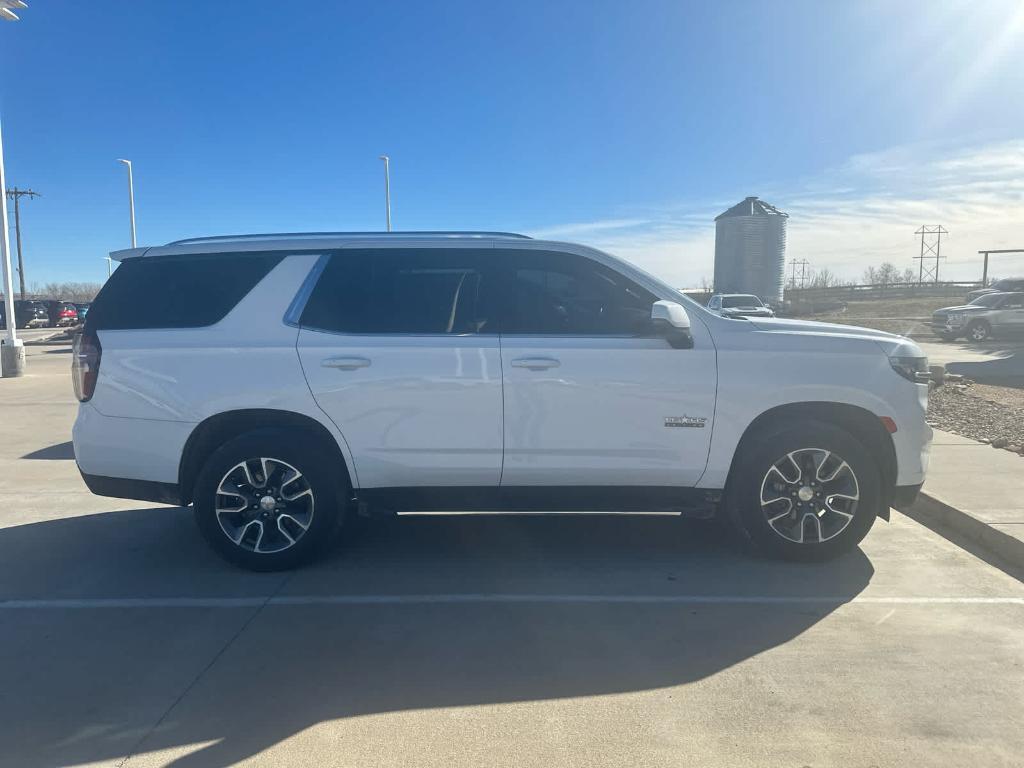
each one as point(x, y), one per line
point(808, 492)
point(267, 500)
point(979, 330)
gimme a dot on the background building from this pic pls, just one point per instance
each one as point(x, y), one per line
point(750, 250)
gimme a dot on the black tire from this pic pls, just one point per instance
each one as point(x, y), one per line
point(979, 331)
point(835, 534)
point(286, 450)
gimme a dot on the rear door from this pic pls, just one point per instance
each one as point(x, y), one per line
point(592, 397)
point(400, 349)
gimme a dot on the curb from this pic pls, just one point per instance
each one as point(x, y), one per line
point(942, 517)
point(53, 339)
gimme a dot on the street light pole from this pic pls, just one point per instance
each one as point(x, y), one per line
point(5, 9)
point(387, 189)
point(131, 203)
point(12, 350)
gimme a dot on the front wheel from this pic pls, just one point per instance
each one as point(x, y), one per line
point(267, 500)
point(979, 331)
point(807, 492)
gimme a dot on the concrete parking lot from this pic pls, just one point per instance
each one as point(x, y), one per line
point(480, 641)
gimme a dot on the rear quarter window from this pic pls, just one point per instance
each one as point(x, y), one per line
point(177, 291)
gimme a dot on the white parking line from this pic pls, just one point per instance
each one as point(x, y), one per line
point(456, 599)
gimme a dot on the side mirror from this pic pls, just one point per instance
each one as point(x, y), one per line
point(671, 321)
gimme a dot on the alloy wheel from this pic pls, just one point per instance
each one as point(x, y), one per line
point(809, 496)
point(264, 505)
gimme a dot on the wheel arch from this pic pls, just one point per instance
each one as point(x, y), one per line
point(216, 430)
point(859, 422)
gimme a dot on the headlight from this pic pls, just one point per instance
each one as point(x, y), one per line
point(913, 369)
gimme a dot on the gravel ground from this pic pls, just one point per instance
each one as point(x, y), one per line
point(981, 412)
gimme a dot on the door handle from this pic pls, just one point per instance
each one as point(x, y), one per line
point(535, 363)
point(345, 363)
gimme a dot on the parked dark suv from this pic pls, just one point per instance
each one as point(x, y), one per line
point(28, 314)
point(1006, 285)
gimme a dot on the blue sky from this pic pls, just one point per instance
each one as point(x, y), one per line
point(623, 125)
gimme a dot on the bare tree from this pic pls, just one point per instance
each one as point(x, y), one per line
point(824, 278)
point(69, 291)
point(885, 274)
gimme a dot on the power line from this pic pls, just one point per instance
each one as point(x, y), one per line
point(16, 194)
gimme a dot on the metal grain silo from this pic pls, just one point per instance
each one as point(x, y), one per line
point(750, 250)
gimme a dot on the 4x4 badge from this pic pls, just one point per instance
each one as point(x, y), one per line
point(685, 421)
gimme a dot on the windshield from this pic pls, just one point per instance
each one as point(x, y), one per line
point(988, 300)
point(741, 301)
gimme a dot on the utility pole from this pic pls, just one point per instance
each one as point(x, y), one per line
point(803, 271)
point(16, 194)
point(931, 250)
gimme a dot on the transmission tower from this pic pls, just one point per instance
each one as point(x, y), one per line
point(803, 272)
point(931, 247)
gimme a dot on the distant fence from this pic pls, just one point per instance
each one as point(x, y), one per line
point(872, 292)
point(843, 293)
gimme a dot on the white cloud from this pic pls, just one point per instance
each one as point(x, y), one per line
point(859, 214)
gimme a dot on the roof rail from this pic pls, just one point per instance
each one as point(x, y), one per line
point(284, 235)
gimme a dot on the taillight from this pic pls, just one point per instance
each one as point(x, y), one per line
point(68, 313)
point(85, 364)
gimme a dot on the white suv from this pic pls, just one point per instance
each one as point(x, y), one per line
point(280, 383)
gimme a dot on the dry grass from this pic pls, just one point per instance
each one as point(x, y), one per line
point(906, 317)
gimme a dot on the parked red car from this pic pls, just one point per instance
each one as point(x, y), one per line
point(62, 313)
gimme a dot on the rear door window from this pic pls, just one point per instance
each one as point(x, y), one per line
point(404, 291)
point(177, 291)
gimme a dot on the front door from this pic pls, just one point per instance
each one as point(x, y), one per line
point(1011, 315)
point(400, 352)
point(592, 398)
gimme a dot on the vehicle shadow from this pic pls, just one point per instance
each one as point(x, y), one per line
point(57, 452)
point(78, 681)
point(1005, 369)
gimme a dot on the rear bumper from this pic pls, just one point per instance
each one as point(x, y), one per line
point(905, 495)
point(136, 450)
point(126, 488)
